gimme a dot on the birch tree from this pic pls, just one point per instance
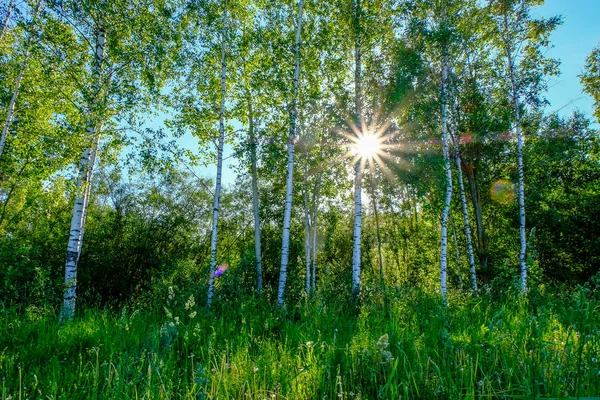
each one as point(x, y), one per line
point(285, 244)
point(521, 38)
point(217, 194)
point(448, 172)
point(359, 165)
point(307, 234)
point(83, 183)
point(255, 205)
point(6, 18)
point(463, 202)
point(30, 29)
point(465, 212)
point(105, 93)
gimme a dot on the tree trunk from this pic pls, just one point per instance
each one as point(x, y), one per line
point(463, 200)
point(458, 271)
point(314, 232)
point(521, 188)
point(82, 190)
point(307, 231)
point(257, 249)
point(4, 27)
point(356, 238)
point(88, 192)
point(13, 101)
point(446, 211)
point(285, 245)
point(474, 191)
point(217, 198)
point(376, 212)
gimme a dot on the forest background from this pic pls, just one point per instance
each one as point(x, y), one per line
point(257, 199)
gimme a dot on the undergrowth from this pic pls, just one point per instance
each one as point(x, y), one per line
point(411, 346)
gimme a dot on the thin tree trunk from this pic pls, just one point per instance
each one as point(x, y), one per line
point(314, 232)
point(463, 200)
point(88, 192)
point(474, 191)
point(307, 231)
point(11, 191)
point(13, 101)
point(4, 27)
point(376, 212)
point(285, 245)
point(257, 249)
point(458, 271)
point(521, 188)
point(446, 211)
point(82, 191)
point(356, 238)
point(217, 198)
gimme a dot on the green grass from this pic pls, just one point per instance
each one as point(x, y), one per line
point(475, 348)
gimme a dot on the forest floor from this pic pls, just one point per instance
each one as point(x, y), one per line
point(410, 346)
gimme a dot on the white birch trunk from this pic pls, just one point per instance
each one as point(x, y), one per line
point(287, 217)
point(88, 192)
point(521, 185)
point(4, 27)
point(82, 192)
point(458, 270)
point(217, 198)
point(446, 211)
point(307, 233)
point(356, 237)
point(257, 248)
point(376, 212)
point(314, 233)
point(13, 100)
point(520, 143)
point(463, 200)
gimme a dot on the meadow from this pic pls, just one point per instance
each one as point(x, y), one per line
point(405, 345)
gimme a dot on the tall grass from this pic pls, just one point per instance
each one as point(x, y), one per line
point(544, 346)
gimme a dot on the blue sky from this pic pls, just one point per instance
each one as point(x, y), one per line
point(572, 42)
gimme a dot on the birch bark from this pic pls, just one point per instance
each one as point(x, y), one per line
point(376, 212)
point(474, 190)
point(521, 185)
point(217, 197)
point(520, 144)
point(314, 232)
point(6, 19)
point(285, 242)
point(458, 271)
point(13, 100)
point(257, 248)
point(82, 189)
point(307, 234)
point(446, 211)
point(358, 170)
point(463, 200)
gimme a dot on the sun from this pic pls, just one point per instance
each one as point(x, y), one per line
point(373, 145)
point(368, 145)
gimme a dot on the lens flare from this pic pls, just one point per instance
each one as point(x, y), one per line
point(502, 191)
point(221, 270)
